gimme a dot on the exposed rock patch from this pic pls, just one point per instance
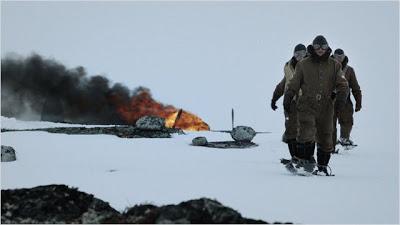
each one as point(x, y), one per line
point(61, 204)
point(198, 211)
point(54, 204)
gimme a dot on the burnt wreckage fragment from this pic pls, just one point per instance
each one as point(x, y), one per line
point(146, 127)
point(242, 136)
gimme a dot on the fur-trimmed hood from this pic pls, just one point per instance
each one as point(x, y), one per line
point(293, 62)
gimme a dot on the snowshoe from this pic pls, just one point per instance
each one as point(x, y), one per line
point(347, 144)
point(289, 166)
point(298, 166)
point(306, 165)
point(286, 161)
point(323, 171)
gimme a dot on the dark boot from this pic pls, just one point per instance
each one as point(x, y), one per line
point(323, 160)
point(306, 156)
point(292, 145)
point(309, 151)
point(300, 150)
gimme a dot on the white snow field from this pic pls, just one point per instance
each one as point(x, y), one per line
point(207, 57)
point(125, 172)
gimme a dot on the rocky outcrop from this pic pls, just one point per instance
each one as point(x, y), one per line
point(61, 204)
point(54, 204)
point(198, 211)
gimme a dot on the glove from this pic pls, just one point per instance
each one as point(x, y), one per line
point(358, 106)
point(273, 105)
point(287, 100)
point(358, 98)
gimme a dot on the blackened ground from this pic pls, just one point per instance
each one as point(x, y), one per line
point(120, 131)
point(61, 204)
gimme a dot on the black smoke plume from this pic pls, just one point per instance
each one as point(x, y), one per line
point(39, 88)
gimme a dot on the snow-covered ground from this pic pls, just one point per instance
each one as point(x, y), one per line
point(125, 172)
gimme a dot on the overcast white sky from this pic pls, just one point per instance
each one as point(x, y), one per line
point(207, 57)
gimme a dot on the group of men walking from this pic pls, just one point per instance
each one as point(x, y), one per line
point(316, 89)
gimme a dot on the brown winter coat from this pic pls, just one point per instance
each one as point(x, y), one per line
point(318, 80)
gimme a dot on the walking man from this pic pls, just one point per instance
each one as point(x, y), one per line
point(346, 116)
point(317, 76)
point(290, 133)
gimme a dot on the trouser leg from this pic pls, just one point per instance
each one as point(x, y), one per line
point(291, 123)
point(346, 121)
point(334, 133)
point(306, 135)
point(292, 145)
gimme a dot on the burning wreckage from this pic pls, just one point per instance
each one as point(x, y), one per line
point(59, 94)
point(158, 127)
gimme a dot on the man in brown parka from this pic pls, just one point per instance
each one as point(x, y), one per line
point(291, 125)
point(346, 116)
point(318, 76)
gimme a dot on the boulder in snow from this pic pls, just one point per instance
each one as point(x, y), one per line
point(7, 154)
point(199, 141)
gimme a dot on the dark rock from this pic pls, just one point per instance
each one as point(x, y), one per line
point(8, 154)
point(198, 211)
point(143, 214)
point(199, 141)
point(61, 204)
point(54, 204)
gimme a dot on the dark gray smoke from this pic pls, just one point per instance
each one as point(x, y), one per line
point(44, 87)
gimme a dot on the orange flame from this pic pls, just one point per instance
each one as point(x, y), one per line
point(186, 121)
point(142, 104)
